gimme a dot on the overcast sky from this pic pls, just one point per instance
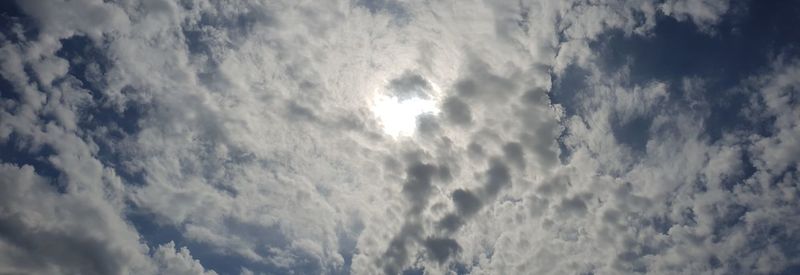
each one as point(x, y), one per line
point(399, 137)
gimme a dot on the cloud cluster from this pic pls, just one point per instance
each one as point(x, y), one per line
point(247, 129)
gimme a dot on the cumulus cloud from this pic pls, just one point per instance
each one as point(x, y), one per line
point(177, 261)
point(246, 135)
point(44, 232)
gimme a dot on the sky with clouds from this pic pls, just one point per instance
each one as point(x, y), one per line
point(399, 137)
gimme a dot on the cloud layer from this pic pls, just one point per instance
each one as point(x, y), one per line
point(241, 137)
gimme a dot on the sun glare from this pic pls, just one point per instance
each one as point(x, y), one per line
point(398, 117)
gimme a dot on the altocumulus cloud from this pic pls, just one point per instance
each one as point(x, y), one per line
point(243, 137)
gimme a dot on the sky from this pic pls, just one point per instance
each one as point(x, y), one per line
point(399, 137)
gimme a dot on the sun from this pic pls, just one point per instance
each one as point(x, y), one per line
point(398, 117)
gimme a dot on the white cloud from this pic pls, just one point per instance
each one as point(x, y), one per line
point(180, 261)
point(254, 135)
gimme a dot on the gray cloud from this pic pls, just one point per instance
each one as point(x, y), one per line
point(573, 206)
point(457, 111)
point(514, 153)
point(410, 85)
point(441, 249)
point(35, 249)
point(396, 256)
point(498, 177)
point(466, 202)
point(418, 185)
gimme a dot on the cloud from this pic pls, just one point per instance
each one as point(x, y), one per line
point(466, 203)
point(441, 249)
point(777, 99)
point(457, 111)
point(396, 256)
point(178, 261)
point(47, 232)
point(702, 13)
point(247, 129)
point(418, 185)
point(410, 85)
